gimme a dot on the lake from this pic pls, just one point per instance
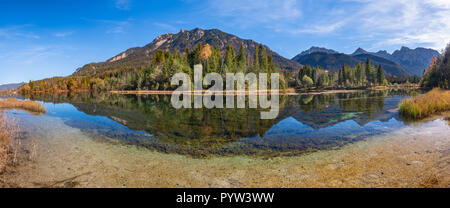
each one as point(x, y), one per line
point(82, 132)
point(305, 123)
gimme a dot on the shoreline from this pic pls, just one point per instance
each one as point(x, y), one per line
point(198, 92)
point(289, 91)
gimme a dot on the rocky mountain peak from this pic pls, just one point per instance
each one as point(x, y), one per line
point(315, 49)
point(359, 51)
point(185, 39)
point(404, 48)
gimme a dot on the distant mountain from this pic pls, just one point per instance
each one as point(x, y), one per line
point(383, 54)
point(139, 56)
point(359, 51)
point(10, 86)
point(388, 66)
point(335, 61)
point(325, 60)
point(315, 49)
point(413, 61)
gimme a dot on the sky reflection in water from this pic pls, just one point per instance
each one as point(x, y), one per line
point(306, 123)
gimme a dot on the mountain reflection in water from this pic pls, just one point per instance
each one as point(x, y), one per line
point(305, 123)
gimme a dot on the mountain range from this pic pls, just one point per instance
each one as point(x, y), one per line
point(179, 42)
point(401, 62)
point(415, 61)
point(10, 86)
point(315, 49)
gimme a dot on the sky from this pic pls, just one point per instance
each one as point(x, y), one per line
point(46, 38)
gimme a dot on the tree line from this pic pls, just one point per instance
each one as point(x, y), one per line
point(164, 64)
point(156, 74)
point(360, 75)
point(438, 73)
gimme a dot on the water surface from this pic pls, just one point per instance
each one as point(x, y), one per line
point(306, 123)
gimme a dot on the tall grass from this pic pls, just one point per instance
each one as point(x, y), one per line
point(435, 101)
point(13, 103)
point(9, 132)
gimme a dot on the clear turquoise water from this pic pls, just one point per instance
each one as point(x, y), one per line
point(306, 123)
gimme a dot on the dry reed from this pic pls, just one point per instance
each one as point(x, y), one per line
point(13, 103)
point(435, 101)
point(9, 132)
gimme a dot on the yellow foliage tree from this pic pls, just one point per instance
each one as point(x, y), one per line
point(205, 53)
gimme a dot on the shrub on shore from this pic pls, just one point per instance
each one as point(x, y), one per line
point(435, 101)
point(13, 103)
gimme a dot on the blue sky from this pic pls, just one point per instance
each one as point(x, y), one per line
point(46, 38)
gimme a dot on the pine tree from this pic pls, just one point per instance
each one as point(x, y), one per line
point(263, 60)
point(241, 58)
point(341, 77)
point(230, 58)
point(380, 75)
point(344, 73)
point(256, 59)
point(368, 70)
point(215, 60)
point(361, 74)
point(159, 57)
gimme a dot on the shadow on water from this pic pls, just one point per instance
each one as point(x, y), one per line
point(306, 123)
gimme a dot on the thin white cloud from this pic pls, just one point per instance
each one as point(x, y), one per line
point(164, 26)
point(319, 29)
point(123, 4)
point(380, 23)
point(246, 11)
point(407, 22)
point(387, 22)
point(118, 26)
point(34, 53)
point(113, 26)
point(63, 34)
point(17, 31)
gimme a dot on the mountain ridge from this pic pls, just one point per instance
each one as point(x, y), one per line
point(359, 51)
point(413, 61)
point(185, 39)
point(325, 60)
point(314, 49)
point(335, 61)
point(11, 86)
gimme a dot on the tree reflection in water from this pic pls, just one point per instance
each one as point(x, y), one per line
point(306, 122)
